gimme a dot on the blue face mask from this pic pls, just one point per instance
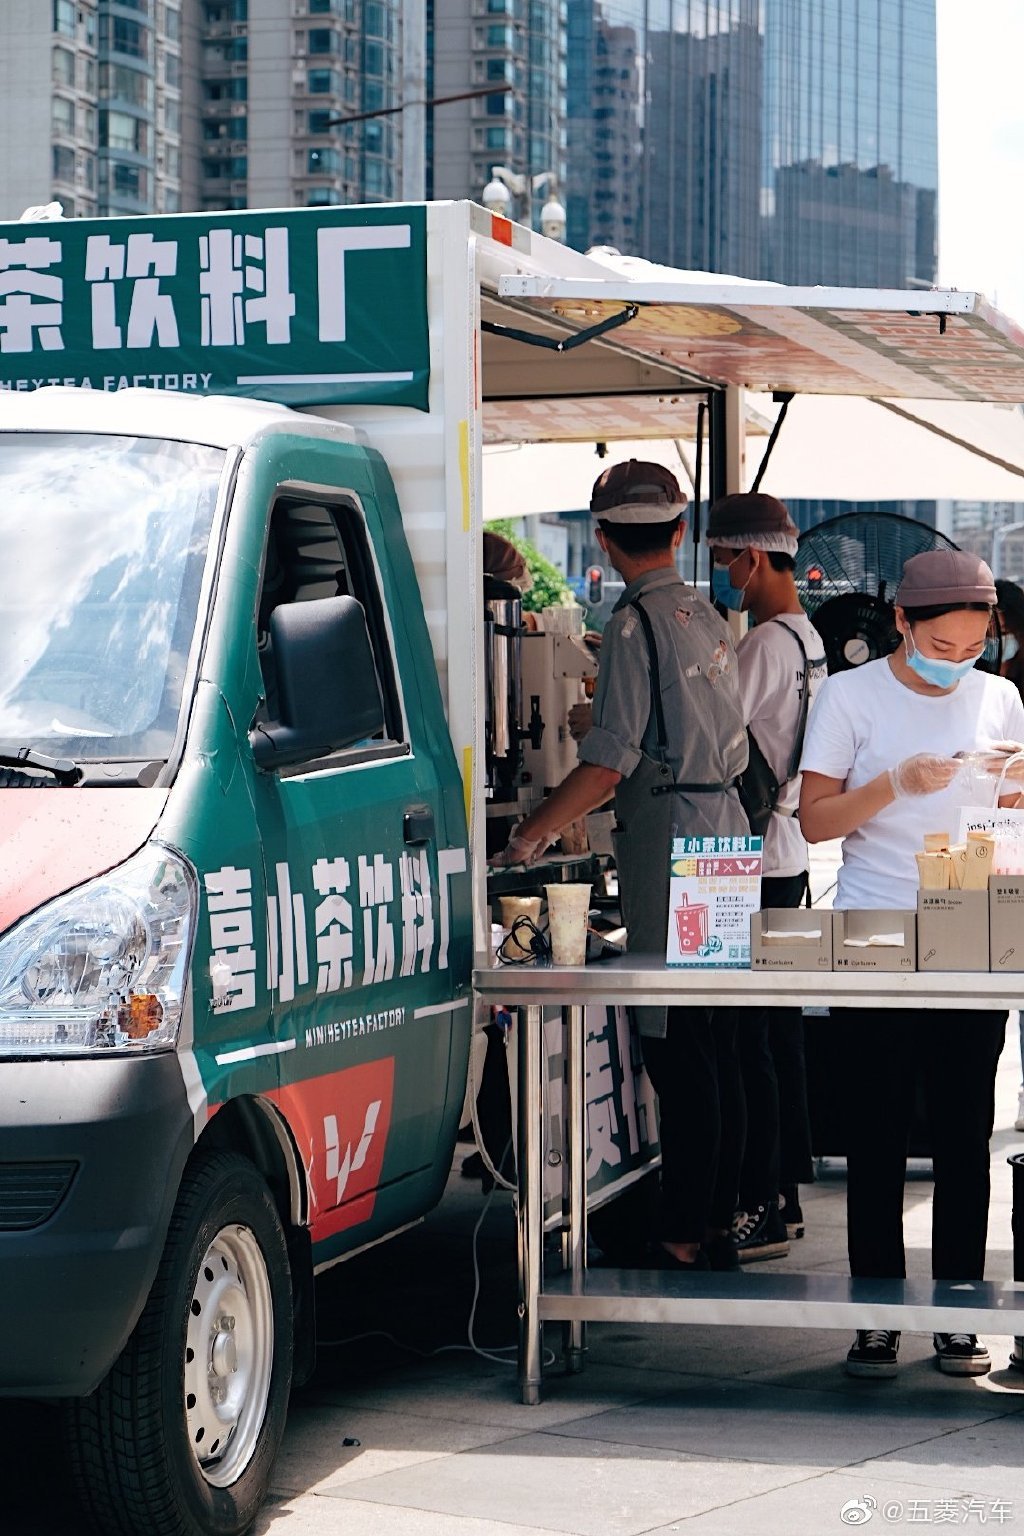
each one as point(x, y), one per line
point(930, 669)
point(722, 588)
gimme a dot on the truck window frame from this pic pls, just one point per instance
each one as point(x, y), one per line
point(347, 520)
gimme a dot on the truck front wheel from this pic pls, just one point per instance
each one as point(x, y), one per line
point(181, 1436)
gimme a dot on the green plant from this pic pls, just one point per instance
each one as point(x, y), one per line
point(550, 588)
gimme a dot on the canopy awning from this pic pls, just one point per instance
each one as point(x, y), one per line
point(938, 344)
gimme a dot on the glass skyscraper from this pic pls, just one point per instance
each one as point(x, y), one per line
point(790, 139)
point(850, 169)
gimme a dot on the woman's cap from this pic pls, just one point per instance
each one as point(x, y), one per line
point(504, 562)
point(940, 576)
point(752, 520)
point(637, 492)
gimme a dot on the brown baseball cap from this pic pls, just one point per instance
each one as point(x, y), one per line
point(637, 492)
point(939, 576)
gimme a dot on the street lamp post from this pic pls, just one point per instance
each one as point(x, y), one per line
point(505, 184)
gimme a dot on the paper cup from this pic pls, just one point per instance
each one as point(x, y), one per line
point(568, 907)
point(518, 906)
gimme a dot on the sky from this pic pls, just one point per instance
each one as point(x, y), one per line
point(981, 149)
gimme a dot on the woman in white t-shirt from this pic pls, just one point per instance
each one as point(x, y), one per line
point(880, 770)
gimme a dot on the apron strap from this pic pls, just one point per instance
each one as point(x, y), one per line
point(693, 789)
point(652, 655)
point(659, 718)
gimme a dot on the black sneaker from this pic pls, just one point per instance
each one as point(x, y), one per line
point(873, 1353)
point(960, 1354)
point(760, 1234)
point(721, 1252)
point(789, 1210)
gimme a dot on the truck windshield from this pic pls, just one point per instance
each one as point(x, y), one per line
point(103, 542)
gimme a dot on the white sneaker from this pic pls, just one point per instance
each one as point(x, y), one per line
point(1018, 1124)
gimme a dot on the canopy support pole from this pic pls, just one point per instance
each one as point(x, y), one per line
point(785, 398)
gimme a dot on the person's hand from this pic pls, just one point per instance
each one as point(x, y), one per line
point(1002, 760)
point(520, 849)
point(923, 774)
point(581, 718)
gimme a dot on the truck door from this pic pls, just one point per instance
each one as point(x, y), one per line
point(358, 926)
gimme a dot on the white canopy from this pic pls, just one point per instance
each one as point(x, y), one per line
point(832, 448)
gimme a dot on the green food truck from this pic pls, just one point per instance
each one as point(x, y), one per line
point(248, 764)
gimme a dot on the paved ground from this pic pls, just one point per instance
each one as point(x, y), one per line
point(708, 1431)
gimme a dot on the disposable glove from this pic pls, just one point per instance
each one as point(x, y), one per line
point(519, 850)
point(923, 774)
point(1007, 758)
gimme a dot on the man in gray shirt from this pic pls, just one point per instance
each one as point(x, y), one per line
point(668, 740)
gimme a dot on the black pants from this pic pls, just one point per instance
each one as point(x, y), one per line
point(954, 1055)
point(777, 1131)
point(694, 1071)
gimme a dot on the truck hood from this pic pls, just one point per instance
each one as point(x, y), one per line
point(54, 839)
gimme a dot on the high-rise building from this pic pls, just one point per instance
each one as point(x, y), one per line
point(850, 168)
point(139, 82)
point(702, 142)
point(772, 138)
point(519, 44)
point(90, 106)
point(274, 83)
point(602, 193)
point(154, 106)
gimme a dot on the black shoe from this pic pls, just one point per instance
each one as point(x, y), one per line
point(873, 1353)
point(960, 1354)
point(721, 1252)
point(789, 1210)
point(760, 1234)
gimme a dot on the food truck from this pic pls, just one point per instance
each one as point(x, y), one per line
point(260, 723)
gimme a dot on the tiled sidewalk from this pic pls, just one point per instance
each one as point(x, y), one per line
point(712, 1431)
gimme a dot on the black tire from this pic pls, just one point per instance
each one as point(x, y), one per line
point(130, 1442)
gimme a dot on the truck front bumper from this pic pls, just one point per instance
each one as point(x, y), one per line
point(91, 1153)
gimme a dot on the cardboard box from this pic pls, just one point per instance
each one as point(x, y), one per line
point(952, 931)
point(790, 939)
point(852, 952)
point(1006, 922)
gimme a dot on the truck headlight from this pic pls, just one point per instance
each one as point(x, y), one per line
point(104, 966)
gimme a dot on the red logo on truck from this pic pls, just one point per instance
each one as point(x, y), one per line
point(340, 1123)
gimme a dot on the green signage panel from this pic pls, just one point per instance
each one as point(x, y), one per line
point(304, 306)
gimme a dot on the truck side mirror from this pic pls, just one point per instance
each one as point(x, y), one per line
point(328, 692)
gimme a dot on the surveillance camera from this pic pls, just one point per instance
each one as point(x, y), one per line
point(497, 197)
point(552, 220)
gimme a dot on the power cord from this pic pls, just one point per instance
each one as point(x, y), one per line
point(497, 1355)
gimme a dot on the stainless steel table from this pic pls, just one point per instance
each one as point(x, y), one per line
point(577, 1296)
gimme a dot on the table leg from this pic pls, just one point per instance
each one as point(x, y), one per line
point(531, 1200)
point(576, 1148)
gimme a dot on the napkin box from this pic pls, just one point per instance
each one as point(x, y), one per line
point(852, 933)
point(790, 939)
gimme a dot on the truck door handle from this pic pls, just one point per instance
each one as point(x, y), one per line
point(418, 824)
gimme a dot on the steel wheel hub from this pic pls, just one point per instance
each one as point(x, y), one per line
point(229, 1355)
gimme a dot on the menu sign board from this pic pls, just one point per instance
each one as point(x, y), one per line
point(714, 887)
